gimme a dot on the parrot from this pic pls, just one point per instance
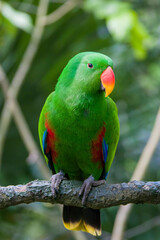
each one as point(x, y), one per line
point(79, 132)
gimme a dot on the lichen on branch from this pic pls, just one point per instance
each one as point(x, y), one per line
point(106, 195)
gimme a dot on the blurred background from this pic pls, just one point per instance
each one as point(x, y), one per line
point(37, 38)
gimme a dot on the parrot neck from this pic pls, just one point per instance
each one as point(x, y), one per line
point(80, 101)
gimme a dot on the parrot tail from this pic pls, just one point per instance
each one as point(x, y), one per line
point(84, 219)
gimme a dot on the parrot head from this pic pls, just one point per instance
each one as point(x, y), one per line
point(88, 72)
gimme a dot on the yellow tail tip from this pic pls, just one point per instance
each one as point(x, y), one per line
point(82, 226)
point(90, 229)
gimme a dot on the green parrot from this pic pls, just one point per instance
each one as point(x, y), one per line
point(79, 132)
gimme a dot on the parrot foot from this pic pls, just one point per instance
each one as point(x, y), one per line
point(56, 180)
point(86, 187)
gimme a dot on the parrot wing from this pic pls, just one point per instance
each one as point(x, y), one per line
point(46, 135)
point(47, 150)
point(111, 137)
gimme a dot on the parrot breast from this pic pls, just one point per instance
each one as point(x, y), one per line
point(75, 134)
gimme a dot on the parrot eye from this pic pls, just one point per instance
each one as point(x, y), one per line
point(90, 65)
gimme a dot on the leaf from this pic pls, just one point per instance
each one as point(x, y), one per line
point(120, 25)
point(19, 19)
point(123, 24)
point(103, 8)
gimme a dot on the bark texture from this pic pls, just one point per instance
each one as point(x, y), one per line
point(106, 195)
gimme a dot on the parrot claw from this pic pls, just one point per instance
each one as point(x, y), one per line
point(86, 188)
point(56, 180)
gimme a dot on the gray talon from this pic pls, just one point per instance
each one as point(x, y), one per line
point(87, 186)
point(56, 180)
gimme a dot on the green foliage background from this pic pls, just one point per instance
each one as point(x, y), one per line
point(127, 31)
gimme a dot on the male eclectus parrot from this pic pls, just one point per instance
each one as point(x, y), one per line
point(79, 132)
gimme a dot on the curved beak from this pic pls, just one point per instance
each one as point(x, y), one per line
point(107, 81)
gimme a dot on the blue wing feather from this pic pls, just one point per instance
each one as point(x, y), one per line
point(105, 153)
point(48, 154)
point(44, 142)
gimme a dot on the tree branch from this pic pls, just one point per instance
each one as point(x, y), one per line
point(106, 195)
point(23, 128)
point(142, 228)
point(142, 165)
point(59, 12)
point(22, 70)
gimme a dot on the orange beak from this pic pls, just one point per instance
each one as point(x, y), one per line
point(108, 80)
